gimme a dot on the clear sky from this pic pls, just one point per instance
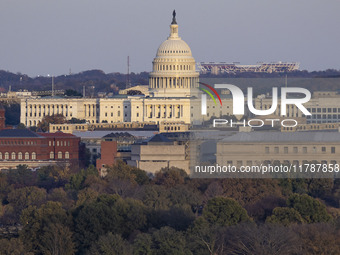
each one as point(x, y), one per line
point(40, 37)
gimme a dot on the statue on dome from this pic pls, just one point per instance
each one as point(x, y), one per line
point(174, 17)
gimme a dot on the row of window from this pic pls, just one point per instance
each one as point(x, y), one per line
point(275, 162)
point(312, 127)
point(112, 106)
point(48, 106)
point(60, 155)
point(322, 121)
point(67, 127)
point(18, 142)
point(174, 51)
point(20, 155)
point(286, 150)
point(324, 116)
point(45, 114)
point(172, 128)
point(173, 67)
point(59, 143)
point(324, 110)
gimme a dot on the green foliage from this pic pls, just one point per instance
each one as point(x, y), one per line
point(77, 181)
point(170, 177)
point(72, 93)
point(178, 217)
point(39, 224)
point(134, 92)
point(52, 176)
point(203, 237)
point(65, 211)
point(22, 198)
point(247, 191)
point(13, 246)
point(155, 197)
point(76, 121)
point(309, 208)
point(21, 126)
point(109, 213)
point(122, 171)
point(56, 239)
point(110, 244)
point(142, 244)
point(60, 195)
point(224, 212)
point(86, 195)
point(53, 119)
point(21, 177)
point(169, 241)
point(285, 216)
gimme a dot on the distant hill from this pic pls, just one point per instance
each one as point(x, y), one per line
point(95, 80)
point(98, 81)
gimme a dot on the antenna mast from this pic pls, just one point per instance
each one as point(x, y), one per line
point(52, 86)
point(128, 73)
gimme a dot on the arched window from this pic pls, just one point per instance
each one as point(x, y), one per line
point(51, 155)
point(27, 155)
point(34, 155)
point(60, 155)
point(6, 155)
point(67, 155)
point(20, 155)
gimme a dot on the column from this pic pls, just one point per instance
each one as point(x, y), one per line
point(173, 111)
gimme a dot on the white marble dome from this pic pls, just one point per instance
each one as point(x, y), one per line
point(174, 68)
point(174, 47)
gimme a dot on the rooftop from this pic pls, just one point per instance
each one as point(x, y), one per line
point(284, 137)
point(19, 133)
point(57, 134)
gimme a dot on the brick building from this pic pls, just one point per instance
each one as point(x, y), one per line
point(108, 155)
point(22, 146)
point(2, 118)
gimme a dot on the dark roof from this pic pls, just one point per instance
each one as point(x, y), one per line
point(118, 134)
point(159, 139)
point(18, 133)
point(58, 134)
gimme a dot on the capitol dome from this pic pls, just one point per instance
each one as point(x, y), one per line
point(174, 47)
point(174, 68)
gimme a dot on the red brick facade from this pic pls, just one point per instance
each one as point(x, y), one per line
point(61, 146)
point(2, 118)
point(24, 146)
point(108, 153)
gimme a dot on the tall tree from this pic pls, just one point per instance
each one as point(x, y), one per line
point(224, 212)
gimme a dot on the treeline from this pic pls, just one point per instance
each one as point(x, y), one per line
point(94, 81)
point(64, 211)
point(97, 81)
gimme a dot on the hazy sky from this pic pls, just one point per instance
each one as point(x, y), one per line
point(40, 37)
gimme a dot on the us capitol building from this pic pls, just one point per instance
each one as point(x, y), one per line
point(173, 94)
